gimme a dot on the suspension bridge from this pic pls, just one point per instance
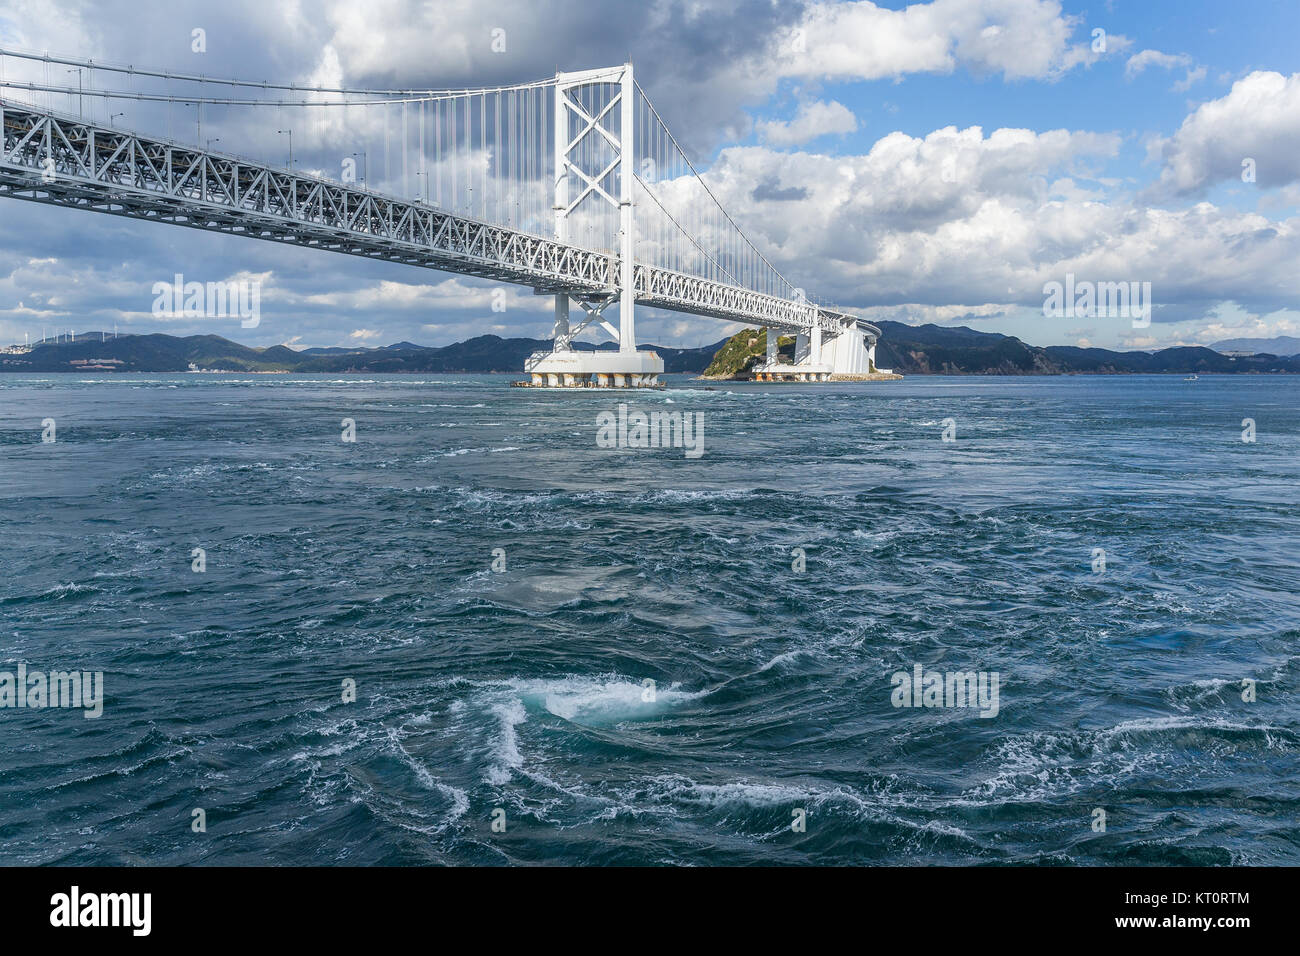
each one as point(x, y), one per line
point(573, 186)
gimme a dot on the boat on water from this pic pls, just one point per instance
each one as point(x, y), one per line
point(1192, 378)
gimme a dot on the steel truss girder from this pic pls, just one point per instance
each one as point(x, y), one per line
point(116, 172)
point(680, 292)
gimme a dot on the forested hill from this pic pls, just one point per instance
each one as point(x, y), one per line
point(911, 350)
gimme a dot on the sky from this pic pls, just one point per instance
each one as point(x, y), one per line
point(939, 162)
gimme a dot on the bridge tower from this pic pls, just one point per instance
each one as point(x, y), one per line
point(563, 366)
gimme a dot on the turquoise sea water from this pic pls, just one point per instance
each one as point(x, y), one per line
point(521, 694)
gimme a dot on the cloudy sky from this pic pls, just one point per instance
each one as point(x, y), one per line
point(933, 162)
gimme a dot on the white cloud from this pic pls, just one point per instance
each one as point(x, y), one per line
point(1259, 120)
point(1230, 321)
point(1144, 342)
point(453, 294)
point(914, 313)
point(1287, 197)
point(963, 223)
point(736, 53)
point(1166, 61)
point(1018, 39)
point(814, 119)
point(1194, 76)
point(30, 24)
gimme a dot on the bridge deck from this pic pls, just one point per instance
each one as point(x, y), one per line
point(65, 161)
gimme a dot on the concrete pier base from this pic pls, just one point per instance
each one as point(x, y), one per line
point(572, 369)
point(793, 373)
point(782, 375)
point(880, 375)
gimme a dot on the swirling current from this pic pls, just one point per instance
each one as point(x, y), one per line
point(564, 653)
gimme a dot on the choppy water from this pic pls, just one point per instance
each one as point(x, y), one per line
point(524, 690)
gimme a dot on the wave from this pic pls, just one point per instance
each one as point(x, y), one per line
point(598, 702)
point(1047, 765)
point(602, 702)
point(57, 593)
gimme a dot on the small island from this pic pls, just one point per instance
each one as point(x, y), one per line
point(745, 350)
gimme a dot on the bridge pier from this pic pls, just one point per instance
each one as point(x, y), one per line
point(569, 368)
point(566, 367)
point(848, 354)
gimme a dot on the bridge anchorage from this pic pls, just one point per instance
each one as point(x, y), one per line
point(574, 187)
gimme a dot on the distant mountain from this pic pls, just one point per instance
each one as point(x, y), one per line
point(932, 349)
point(942, 350)
point(1279, 345)
point(144, 353)
point(911, 350)
point(168, 353)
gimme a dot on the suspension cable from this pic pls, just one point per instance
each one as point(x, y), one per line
point(429, 97)
point(227, 81)
point(692, 168)
point(687, 234)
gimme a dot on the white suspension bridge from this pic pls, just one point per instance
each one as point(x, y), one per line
point(573, 186)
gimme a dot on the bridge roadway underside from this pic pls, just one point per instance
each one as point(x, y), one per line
point(466, 241)
point(468, 259)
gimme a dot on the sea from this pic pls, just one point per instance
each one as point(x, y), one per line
point(434, 619)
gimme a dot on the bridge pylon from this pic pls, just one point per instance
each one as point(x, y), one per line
point(578, 125)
